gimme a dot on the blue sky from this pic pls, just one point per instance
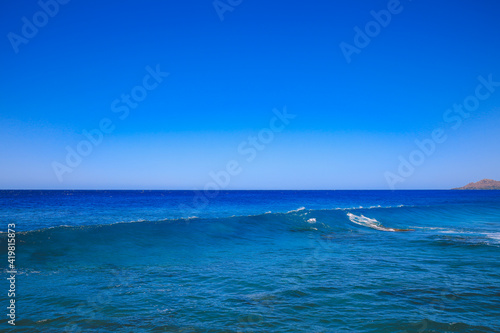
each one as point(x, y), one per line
point(354, 121)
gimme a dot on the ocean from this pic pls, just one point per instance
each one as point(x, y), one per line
point(252, 261)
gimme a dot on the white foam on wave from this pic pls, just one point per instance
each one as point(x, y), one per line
point(456, 231)
point(368, 222)
point(369, 207)
point(311, 220)
point(493, 235)
point(296, 210)
point(365, 221)
point(430, 228)
point(474, 237)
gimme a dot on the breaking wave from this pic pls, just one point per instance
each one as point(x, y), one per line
point(371, 223)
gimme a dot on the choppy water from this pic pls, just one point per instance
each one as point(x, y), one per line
point(254, 261)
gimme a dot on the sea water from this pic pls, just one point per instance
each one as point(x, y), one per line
point(253, 261)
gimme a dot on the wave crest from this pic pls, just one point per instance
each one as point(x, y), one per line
point(371, 223)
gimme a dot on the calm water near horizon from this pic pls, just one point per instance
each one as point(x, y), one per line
point(254, 261)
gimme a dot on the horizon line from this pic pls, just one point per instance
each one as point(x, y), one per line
point(234, 190)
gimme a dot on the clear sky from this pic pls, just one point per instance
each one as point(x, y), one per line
point(360, 100)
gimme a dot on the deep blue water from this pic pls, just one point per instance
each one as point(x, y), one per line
point(254, 261)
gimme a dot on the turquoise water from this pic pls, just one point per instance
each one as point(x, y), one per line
point(254, 261)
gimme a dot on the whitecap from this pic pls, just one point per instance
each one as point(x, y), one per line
point(494, 235)
point(296, 210)
point(371, 223)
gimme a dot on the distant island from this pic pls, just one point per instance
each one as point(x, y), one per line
point(485, 184)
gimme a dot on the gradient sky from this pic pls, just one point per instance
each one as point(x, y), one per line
point(353, 120)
